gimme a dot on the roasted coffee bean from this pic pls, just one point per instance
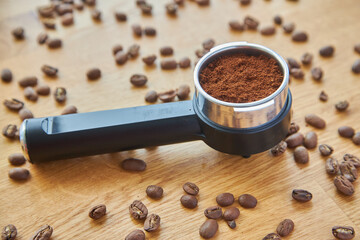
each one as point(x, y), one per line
point(292, 63)
point(30, 94)
point(171, 8)
point(315, 121)
point(9, 232)
point(136, 235)
point(356, 67)
point(63, 9)
point(152, 223)
point(120, 16)
point(60, 94)
point(18, 33)
point(342, 105)
point(285, 227)
point(325, 149)
point(28, 81)
point(327, 51)
point(93, 73)
point(42, 37)
point(231, 213)
point(69, 110)
point(301, 155)
point(166, 51)
point(203, 2)
point(191, 188)
point(209, 228)
point(208, 44)
point(353, 159)
point(346, 131)
point(251, 23)
point(151, 96)
point(167, 96)
point(140, 2)
point(356, 138)
point(184, 62)
point(67, 19)
point(90, 2)
point(294, 140)
point(189, 201)
point(9, 131)
point(179, 2)
point(245, 2)
point(146, 8)
point(294, 128)
point(133, 164)
point(97, 211)
point(168, 64)
point(279, 149)
point(306, 58)
point(316, 73)
point(121, 57)
point(297, 73)
point(43, 89)
point(231, 224)
point(201, 52)
point(323, 96)
point(236, 26)
point(16, 159)
point(149, 60)
point(117, 48)
point(154, 191)
point(6, 75)
point(332, 166)
point(138, 80)
point(301, 195)
point(299, 36)
point(247, 201)
point(268, 30)
point(19, 174)
point(214, 212)
point(138, 210)
point(150, 31)
point(133, 51)
point(49, 70)
point(79, 5)
point(357, 48)
point(272, 236)
point(44, 233)
point(137, 30)
point(225, 199)
point(54, 43)
point(183, 92)
point(96, 14)
point(343, 185)
point(343, 232)
point(348, 170)
point(46, 11)
point(289, 27)
point(25, 114)
point(278, 19)
point(310, 140)
point(13, 104)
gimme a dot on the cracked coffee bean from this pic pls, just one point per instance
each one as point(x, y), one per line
point(208, 229)
point(150, 31)
point(294, 128)
point(189, 201)
point(268, 30)
point(310, 140)
point(342, 105)
point(6, 75)
point(214, 212)
point(247, 201)
point(343, 232)
point(299, 36)
point(294, 140)
point(69, 110)
point(136, 235)
point(279, 149)
point(25, 114)
point(42, 37)
point(343, 185)
point(285, 227)
point(297, 73)
point(184, 62)
point(349, 171)
point(155, 192)
point(278, 19)
point(306, 58)
point(325, 149)
point(301, 195)
point(18, 33)
point(356, 138)
point(168, 64)
point(120, 16)
point(138, 210)
point(9, 131)
point(16, 159)
point(251, 23)
point(133, 51)
point(191, 188)
point(272, 236)
point(289, 27)
point(183, 92)
point(97, 211)
point(356, 67)
point(93, 74)
point(231, 213)
point(133, 164)
point(152, 223)
point(323, 96)
point(13, 104)
point(54, 43)
point(236, 26)
point(166, 51)
point(327, 51)
point(301, 155)
point(28, 81)
point(49, 70)
point(208, 44)
point(332, 166)
point(44, 233)
point(346, 131)
point(353, 159)
point(117, 48)
point(30, 94)
point(19, 174)
point(315, 121)
point(43, 90)
point(9, 232)
point(151, 96)
point(225, 199)
point(121, 57)
point(316, 73)
point(60, 94)
point(138, 80)
point(149, 60)
point(231, 224)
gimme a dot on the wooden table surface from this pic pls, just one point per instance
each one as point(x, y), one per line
point(60, 193)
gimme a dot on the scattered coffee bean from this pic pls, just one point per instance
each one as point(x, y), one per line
point(346, 131)
point(209, 228)
point(54, 43)
point(140, 2)
point(150, 31)
point(96, 14)
point(168, 64)
point(285, 227)
point(353, 159)
point(155, 192)
point(278, 19)
point(67, 19)
point(294, 140)
point(356, 138)
point(166, 51)
point(183, 92)
point(272, 236)
point(149, 60)
point(133, 51)
point(28, 81)
point(44, 233)
point(189, 201)
point(25, 114)
point(247, 201)
point(343, 185)
point(231, 224)
point(315, 121)
point(357, 48)
point(306, 58)
point(297, 73)
point(299, 36)
point(343, 232)
point(214, 212)
point(42, 37)
point(49, 70)
point(245, 2)
point(6, 75)
point(136, 235)
point(191, 188)
point(268, 30)
point(292, 63)
point(18, 33)
point(332, 166)
point(208, 44)
point(201, 52)
point(93, 73)
point(279, 149)
point(310, 140)
point(117, 48)
point(43, 90)
point(289, 27)
point(121, 57)
point(323, 96)
point(294, 128)
point(349, 171)
point(231, 213)
point(137, 30)
point(325, 149)
point(316, 73)
point(50, 25)
point(301, 195)
point(327, 51)
point(30, 94)
point(203, 2)
point(16, 159)
point(225, 199)
point(171, 8)
point(138, 80)
point(152, 223)
point(133, 164)
point(138, 210)
point(146, 8)
point(179, 2)
point(9, 131)
point(236, 26)
point(97, 211)
point(342, 105)
point(46, 11)
point(184, 62)
point(79, 5)
point(13, 104)
point(71, 109)
point(19, 173)
point(251, 23)
point(9, 232)
point(60, 94)
point(120, 16)
point(151, 96)
point(301, 155)
point(63, 9)
point(90, 2)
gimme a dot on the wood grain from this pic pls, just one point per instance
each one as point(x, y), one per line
point(61, 193)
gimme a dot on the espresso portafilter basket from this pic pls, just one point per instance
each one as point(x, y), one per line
point(234, 128)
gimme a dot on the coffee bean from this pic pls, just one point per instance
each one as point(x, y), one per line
point(146, 8)
point(151, 96)
point(90, 2)
point(343, 232)
point(120, 16)
point(306, 58)
point(214, 212)
point(343, 185)
point(133, 164)
point(285, 227)
point(294, 140)
point(67, 19)
point(353, 159)
point(93, 73)
point(292, 63)
point(349, 171)
point(299, 36)
point(209, 228)
point(16, 159)
point(50, 25)
point(140, 2)
point(236, 26)
point(9, 232)
point(231, 213)
point(310, 140)
point(97, 211)
point(323, 96)
point(63, 9)
point(138, 210)
point(46, 11)
point(268, 30)
point(30, 94)
point(325, 149)
point(138, 80)
point(49, 71)
point(154, 191)
point(342, 105)
point(25, 114)
point(19, 174)
point(137, 30)
point(293, 128)
point(44, 233)
point(54, 43)
point(133, 51)
point(149, 60)
point(28, 81)
point(42, 37)
point(117, 48)
point(168, 64)
point(6, 75)
point(272, 236)
point(136, 235)
point(184, 62)
point(183, 92)
point(121, 57)
point(231, 224)
point(18, 33)
point(278, 19)
point(279, 149)
point(79, 5)
point(251, 23)
point(166, 51)
point(171, 8)
point(150, 31)
point(289, 27)
point(346, 131)
point(13, 104)
point(96, 14)
point(316, 73)
point(9, 131)
point(43, 90)
point(297, 73)
point(301, 155)
point(189, 201)
point(60, 94)
point(225, 199)
point(327, 51)
point(315, 121)
point(357, 48)
point(152, 223)
point(356, 138)
point(203, 2)
point(167, 96)
point(245, 2)
point(201, 52)
point(179, 2)
point(301, 195)
point(247, 201)
point(69, 110)
point(332, 166)
point(191, 188)
point(208, 44)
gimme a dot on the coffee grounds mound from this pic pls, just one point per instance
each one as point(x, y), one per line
point(241, 78)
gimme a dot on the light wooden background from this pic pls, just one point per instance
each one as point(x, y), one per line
point(61, 193)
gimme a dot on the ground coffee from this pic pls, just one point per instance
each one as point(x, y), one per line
point(240, 78)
